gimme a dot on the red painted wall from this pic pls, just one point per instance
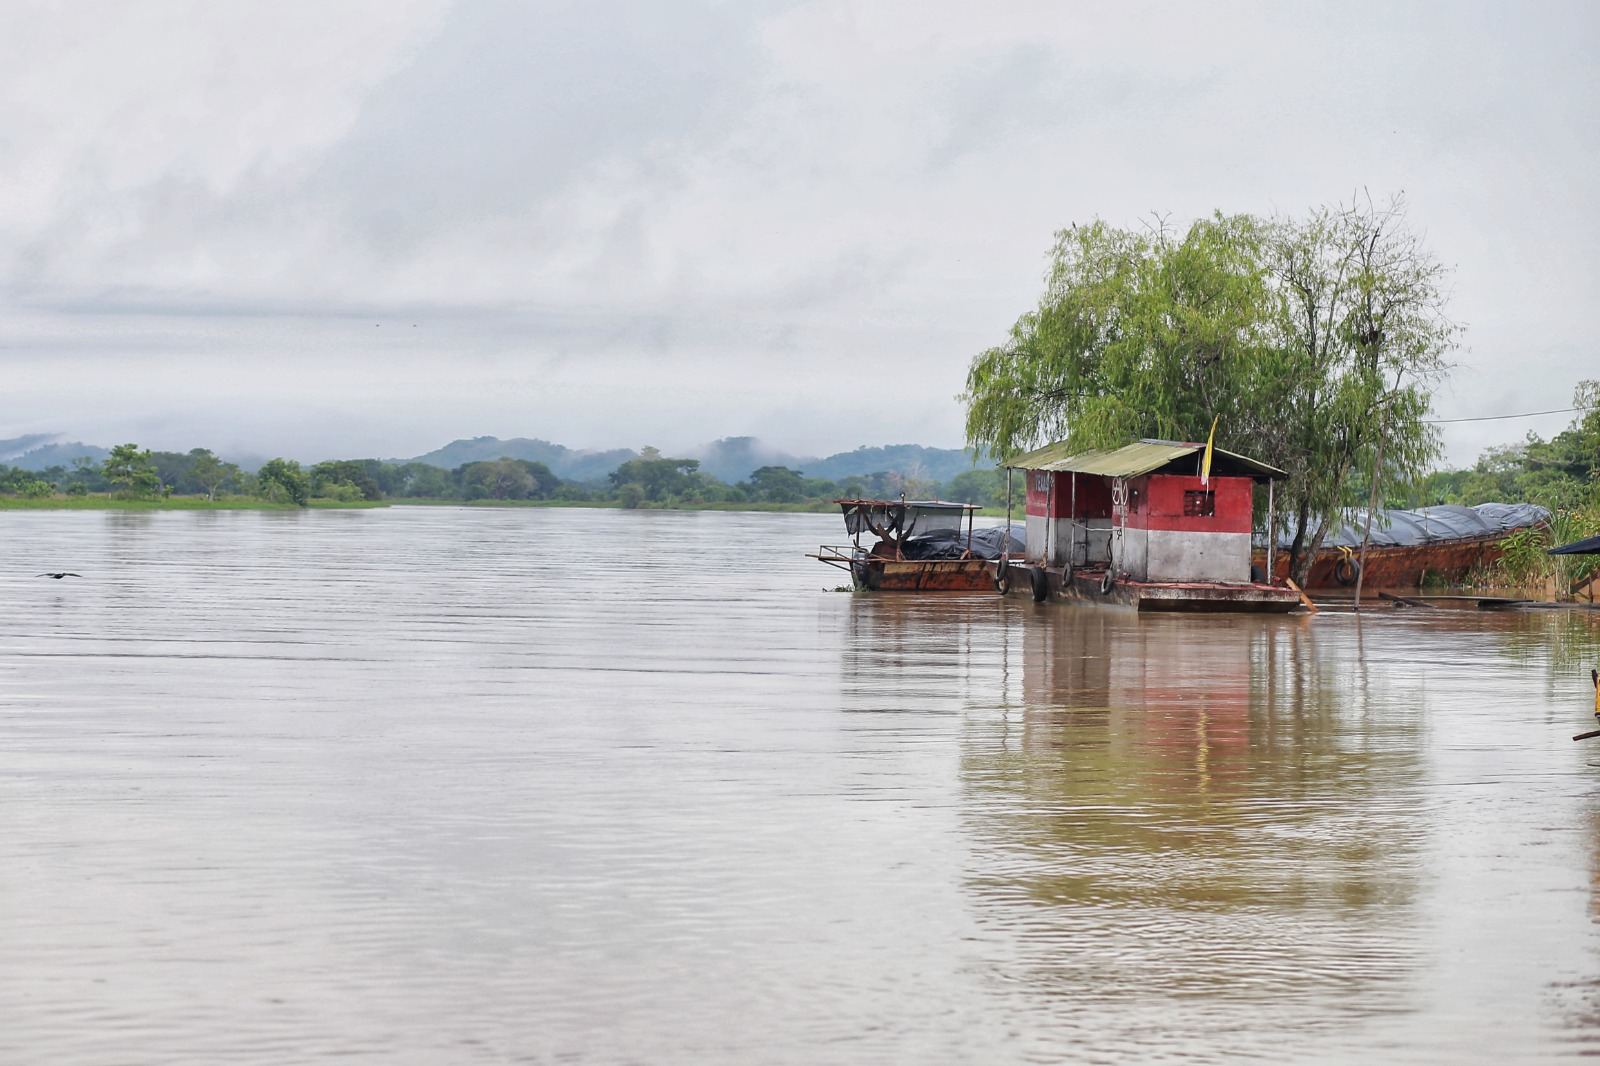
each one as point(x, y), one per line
point(1158, 504)
point(1094, 495)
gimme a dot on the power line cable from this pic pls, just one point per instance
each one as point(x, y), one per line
point(1496, 418)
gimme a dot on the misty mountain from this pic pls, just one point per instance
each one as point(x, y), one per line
point(36, 451)
point(571, 463)
point(18, 446)
point(730, 459)
point(935, 464)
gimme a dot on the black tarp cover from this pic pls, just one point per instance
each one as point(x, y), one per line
point(951, 544)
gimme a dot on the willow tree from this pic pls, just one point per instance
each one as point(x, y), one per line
point(1137, 334)
point(1362, 341)
point(1314, 342)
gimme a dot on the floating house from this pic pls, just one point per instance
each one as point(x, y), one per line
point(1142, 527)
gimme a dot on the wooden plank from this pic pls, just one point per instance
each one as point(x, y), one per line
point(1303, 597)
point(1406, 601)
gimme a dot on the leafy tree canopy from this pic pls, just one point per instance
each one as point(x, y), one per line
point(283, 478)
point(131, 470)
point(1314, 342)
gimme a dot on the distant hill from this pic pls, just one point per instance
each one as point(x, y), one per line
point(36, 451)
point(730, 459)
point(18, 446)
point(935, 464)
point(571, 463)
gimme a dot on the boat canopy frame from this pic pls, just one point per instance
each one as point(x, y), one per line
point(895, 521)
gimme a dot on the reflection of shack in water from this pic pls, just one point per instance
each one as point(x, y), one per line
point(1182, 808)
point(1180, 693)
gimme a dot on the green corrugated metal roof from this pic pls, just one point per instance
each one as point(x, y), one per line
point(1138, 458)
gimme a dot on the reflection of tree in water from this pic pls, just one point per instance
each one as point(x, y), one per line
point(1566, 640)
point(1578, 1002)
point(1198, 806)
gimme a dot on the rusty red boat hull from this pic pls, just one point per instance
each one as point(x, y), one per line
point(925, 575)
point(1397, 567)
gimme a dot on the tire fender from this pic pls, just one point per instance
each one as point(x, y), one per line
point(1039, 585)
point(1346, 570)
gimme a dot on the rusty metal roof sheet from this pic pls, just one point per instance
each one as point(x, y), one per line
point(1140, 457)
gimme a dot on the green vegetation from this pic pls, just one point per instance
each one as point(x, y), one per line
point(1562, 474)
point(141, 479)
point(1314, 342)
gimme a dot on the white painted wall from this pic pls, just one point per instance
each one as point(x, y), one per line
point(1168, 555)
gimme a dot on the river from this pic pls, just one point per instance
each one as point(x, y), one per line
point(451, 785)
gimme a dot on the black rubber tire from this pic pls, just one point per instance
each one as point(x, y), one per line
point(1107, 581)
point(1039, 585)
point(1346, 570)
point(1002, 577)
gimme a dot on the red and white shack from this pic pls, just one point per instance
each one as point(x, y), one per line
point(1140, 526)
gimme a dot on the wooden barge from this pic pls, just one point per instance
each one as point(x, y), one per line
point(1409, 548)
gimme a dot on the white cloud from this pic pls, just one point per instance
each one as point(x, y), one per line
point(797, 221)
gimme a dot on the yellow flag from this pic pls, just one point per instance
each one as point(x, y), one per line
point(1205, 465)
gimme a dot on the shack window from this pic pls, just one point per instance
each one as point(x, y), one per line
point(1199, 504)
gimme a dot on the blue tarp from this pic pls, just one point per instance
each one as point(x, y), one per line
point(1430, 525)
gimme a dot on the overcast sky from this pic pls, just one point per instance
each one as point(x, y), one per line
point(369, 227)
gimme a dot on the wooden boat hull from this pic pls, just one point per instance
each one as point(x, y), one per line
point(1167, 596)
point(924, 575)
point(1389, 567)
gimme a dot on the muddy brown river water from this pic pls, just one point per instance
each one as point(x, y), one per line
point(531, 786)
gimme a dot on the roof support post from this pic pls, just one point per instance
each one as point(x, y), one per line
point(1072, 540)
point(1005, 556)
point(1050, 520)
point(1272, 537)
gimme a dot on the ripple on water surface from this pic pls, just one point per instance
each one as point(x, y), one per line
point(454, 785)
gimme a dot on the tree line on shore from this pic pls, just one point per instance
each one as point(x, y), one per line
point(651, 480)
point(1562, 473)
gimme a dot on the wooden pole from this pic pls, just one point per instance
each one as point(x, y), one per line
point(1372, 504)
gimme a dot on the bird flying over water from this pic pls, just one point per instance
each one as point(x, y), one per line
point(61, 574)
